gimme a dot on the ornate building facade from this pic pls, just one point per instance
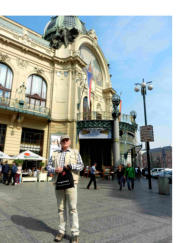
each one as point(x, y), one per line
point(46, 90)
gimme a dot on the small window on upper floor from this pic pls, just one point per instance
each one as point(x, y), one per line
point(6, 77)
point(36, 91)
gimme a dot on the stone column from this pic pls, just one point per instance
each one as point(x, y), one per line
point(115, 115)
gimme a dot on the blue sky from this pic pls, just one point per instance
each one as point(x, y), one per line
point(136, 47)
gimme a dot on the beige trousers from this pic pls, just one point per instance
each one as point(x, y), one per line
point(68, 198)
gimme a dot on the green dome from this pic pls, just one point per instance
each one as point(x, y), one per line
point(59, 23)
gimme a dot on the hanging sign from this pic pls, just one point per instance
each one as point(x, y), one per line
point(146, 133)
point(94, 133)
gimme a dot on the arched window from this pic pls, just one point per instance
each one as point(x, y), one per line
point(6, 77)
point(86, 110)
point(36, 91)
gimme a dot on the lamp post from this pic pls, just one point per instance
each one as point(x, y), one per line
point(143, 86)
point(115, 115)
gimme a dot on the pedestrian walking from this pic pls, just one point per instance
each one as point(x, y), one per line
point(5, 171)
point(1, 168)
point(92, 176)
point(138, 173)
point(18, 174)
point(61, 160)
point(121, 176)
point(12, 174)
point(130, 176)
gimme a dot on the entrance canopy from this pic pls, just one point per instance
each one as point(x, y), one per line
point(28, 155)
point(4, 156)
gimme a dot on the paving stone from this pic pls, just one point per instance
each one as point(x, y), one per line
point(28, 213)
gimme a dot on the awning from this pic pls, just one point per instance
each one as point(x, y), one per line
point(28, 155)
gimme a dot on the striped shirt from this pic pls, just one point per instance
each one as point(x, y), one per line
point(78, 166)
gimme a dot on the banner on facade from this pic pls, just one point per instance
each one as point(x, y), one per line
point(54, 143)
point(95, 133)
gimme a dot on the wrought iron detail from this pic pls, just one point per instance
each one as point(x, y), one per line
point(128, 127)
point(23, 107)
point(107, 124)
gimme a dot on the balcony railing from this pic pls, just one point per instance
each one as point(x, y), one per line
point(21, 106)
point(94, 115)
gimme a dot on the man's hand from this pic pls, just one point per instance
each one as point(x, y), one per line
point(59, 170)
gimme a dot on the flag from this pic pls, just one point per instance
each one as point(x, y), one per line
point(120, 106)
point(90, 75)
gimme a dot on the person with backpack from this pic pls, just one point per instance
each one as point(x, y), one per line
point(62, 160)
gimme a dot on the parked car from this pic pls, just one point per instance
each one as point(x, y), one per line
point(166, 173)
point(155, 172)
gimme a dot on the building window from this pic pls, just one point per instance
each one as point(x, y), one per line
point(2, 136)
point(32, 140)
point(86, 110)
point(36, 91)
point(6, 77)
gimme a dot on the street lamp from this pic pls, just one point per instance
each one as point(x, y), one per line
point(143, 86)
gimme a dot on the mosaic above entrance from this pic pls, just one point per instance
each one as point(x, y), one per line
point(87, 55)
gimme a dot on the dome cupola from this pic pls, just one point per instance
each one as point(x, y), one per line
point(63, 30)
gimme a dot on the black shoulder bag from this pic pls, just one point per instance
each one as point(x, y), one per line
point(64, 180)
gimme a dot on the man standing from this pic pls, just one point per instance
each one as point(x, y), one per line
point(5, 170)
point(13, 173)
point(1, 167)
point(92, 175)
point(130, 176)
point(121, 176)
point(70, 159)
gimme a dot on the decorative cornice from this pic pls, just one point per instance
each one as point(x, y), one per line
point(26, 48)
point(74, 59)
point(109, 90)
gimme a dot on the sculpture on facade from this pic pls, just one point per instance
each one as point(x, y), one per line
point(115, 102)
point(63, 36)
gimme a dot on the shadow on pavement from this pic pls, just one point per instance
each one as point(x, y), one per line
point(32, 224)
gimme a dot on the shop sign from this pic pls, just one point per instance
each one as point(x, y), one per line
point(95, 133)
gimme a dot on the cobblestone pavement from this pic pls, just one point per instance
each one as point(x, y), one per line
point(28, 213)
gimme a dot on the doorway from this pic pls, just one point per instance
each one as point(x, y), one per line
point(96, 150)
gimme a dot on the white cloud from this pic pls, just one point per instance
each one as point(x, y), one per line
point(137, 37)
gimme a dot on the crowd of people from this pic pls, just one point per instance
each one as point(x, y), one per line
point(124, 175)
point(10, 174)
